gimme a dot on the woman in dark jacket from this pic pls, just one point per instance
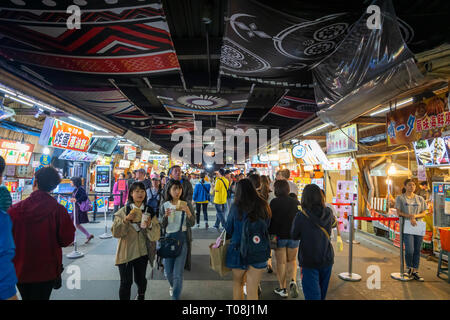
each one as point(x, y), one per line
point(312, 226)
point(284, 208)
point(79, 195)
point(247, 205)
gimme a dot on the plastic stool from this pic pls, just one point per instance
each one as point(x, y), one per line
point(440, 269)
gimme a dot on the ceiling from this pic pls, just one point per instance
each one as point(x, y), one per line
point(128, 54)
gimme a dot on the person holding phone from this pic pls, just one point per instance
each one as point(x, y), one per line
point(177, 213)
point(413, 208)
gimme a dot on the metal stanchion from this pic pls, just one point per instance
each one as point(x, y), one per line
point(401, 276)
point(94, 205)
point(75, 254)
point(106, 235)
point(349, 276)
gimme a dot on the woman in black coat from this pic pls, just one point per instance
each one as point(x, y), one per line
point(79, 196)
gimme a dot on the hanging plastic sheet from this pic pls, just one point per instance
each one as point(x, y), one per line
point(371, 66)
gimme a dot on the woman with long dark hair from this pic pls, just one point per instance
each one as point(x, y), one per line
point(264, 189)
point(312, 226)
point(79, 195)
point(133, 225)
point(249, 205)
point(284, 208)
point(177, 217)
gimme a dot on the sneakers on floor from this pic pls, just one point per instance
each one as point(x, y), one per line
point(170, 291)
point(245, 289)
point(408, 274)
point(269, 269)
point(259, 292)
point(294, 289)
point(416, 276)
point(197, 226)
point(281, 292)
point(206, 226)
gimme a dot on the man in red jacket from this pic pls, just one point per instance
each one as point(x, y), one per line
point(41, 227)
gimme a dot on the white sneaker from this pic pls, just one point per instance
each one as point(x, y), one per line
point(281, 292)
point(294, 289)
point(171, 291)
point(245, 289)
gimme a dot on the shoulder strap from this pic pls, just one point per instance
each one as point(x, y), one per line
point(182, 220)
point(204, 187)
point(221, 179)
point(322, 228)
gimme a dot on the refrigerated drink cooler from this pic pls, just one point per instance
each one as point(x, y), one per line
point(441, 212)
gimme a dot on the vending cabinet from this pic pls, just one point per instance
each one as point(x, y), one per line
point(441, 211)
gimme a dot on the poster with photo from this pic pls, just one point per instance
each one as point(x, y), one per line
point(347, 192)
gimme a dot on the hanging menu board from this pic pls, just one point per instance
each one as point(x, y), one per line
point(16, 153)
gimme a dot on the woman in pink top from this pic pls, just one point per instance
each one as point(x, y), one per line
point(116, 193)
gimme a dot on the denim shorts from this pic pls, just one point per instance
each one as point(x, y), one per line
point(287, 243)
point(260, 265)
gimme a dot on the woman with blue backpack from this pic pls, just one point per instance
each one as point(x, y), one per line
point(201, 198)
point(249, 248)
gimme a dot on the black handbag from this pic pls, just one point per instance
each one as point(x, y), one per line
point(171, 244)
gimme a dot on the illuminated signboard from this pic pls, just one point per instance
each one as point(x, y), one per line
point(16, 153)
point(63, 135)
point(342, 140)
point(144, 155)
point(130, 153)
point(313, 154)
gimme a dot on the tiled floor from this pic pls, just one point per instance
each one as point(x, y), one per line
point(100, 277)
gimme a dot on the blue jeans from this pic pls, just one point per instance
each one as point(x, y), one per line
point(315, 282)
point(413, 245)
point(229, 203)
point(174, 269)
point(220, 215)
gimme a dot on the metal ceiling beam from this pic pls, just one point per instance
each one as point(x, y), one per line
point(125, 96)
point(369, 120)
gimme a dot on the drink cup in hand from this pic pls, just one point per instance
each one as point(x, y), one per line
point(145, 218)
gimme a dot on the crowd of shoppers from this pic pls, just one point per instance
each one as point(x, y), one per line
point(257, 215)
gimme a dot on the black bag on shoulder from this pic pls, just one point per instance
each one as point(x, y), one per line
point(170, 245)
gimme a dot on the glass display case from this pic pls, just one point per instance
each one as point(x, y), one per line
point(441, 212)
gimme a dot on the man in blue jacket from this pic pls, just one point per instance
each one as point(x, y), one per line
point(201, 198)
point(8, 277)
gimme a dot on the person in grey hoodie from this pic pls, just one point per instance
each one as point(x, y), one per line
point(312, 226)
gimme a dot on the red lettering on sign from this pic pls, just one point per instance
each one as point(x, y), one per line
point(419, 125)
point(440, 120)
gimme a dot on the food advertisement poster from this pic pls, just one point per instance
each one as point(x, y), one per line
point(16, 153)
point(432, 152)
point(447, 199)
point(342, 140)
point(422, 120)
point(63, 135)
point(130, 153)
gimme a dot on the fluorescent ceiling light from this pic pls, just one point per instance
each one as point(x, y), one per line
point(124, 144)
point(36, 103)
point(18, 100)
point(87, 123)
point(100, 136)
point(396, 105)
point(8, 91)
point(316, 129)
point(45, 106)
